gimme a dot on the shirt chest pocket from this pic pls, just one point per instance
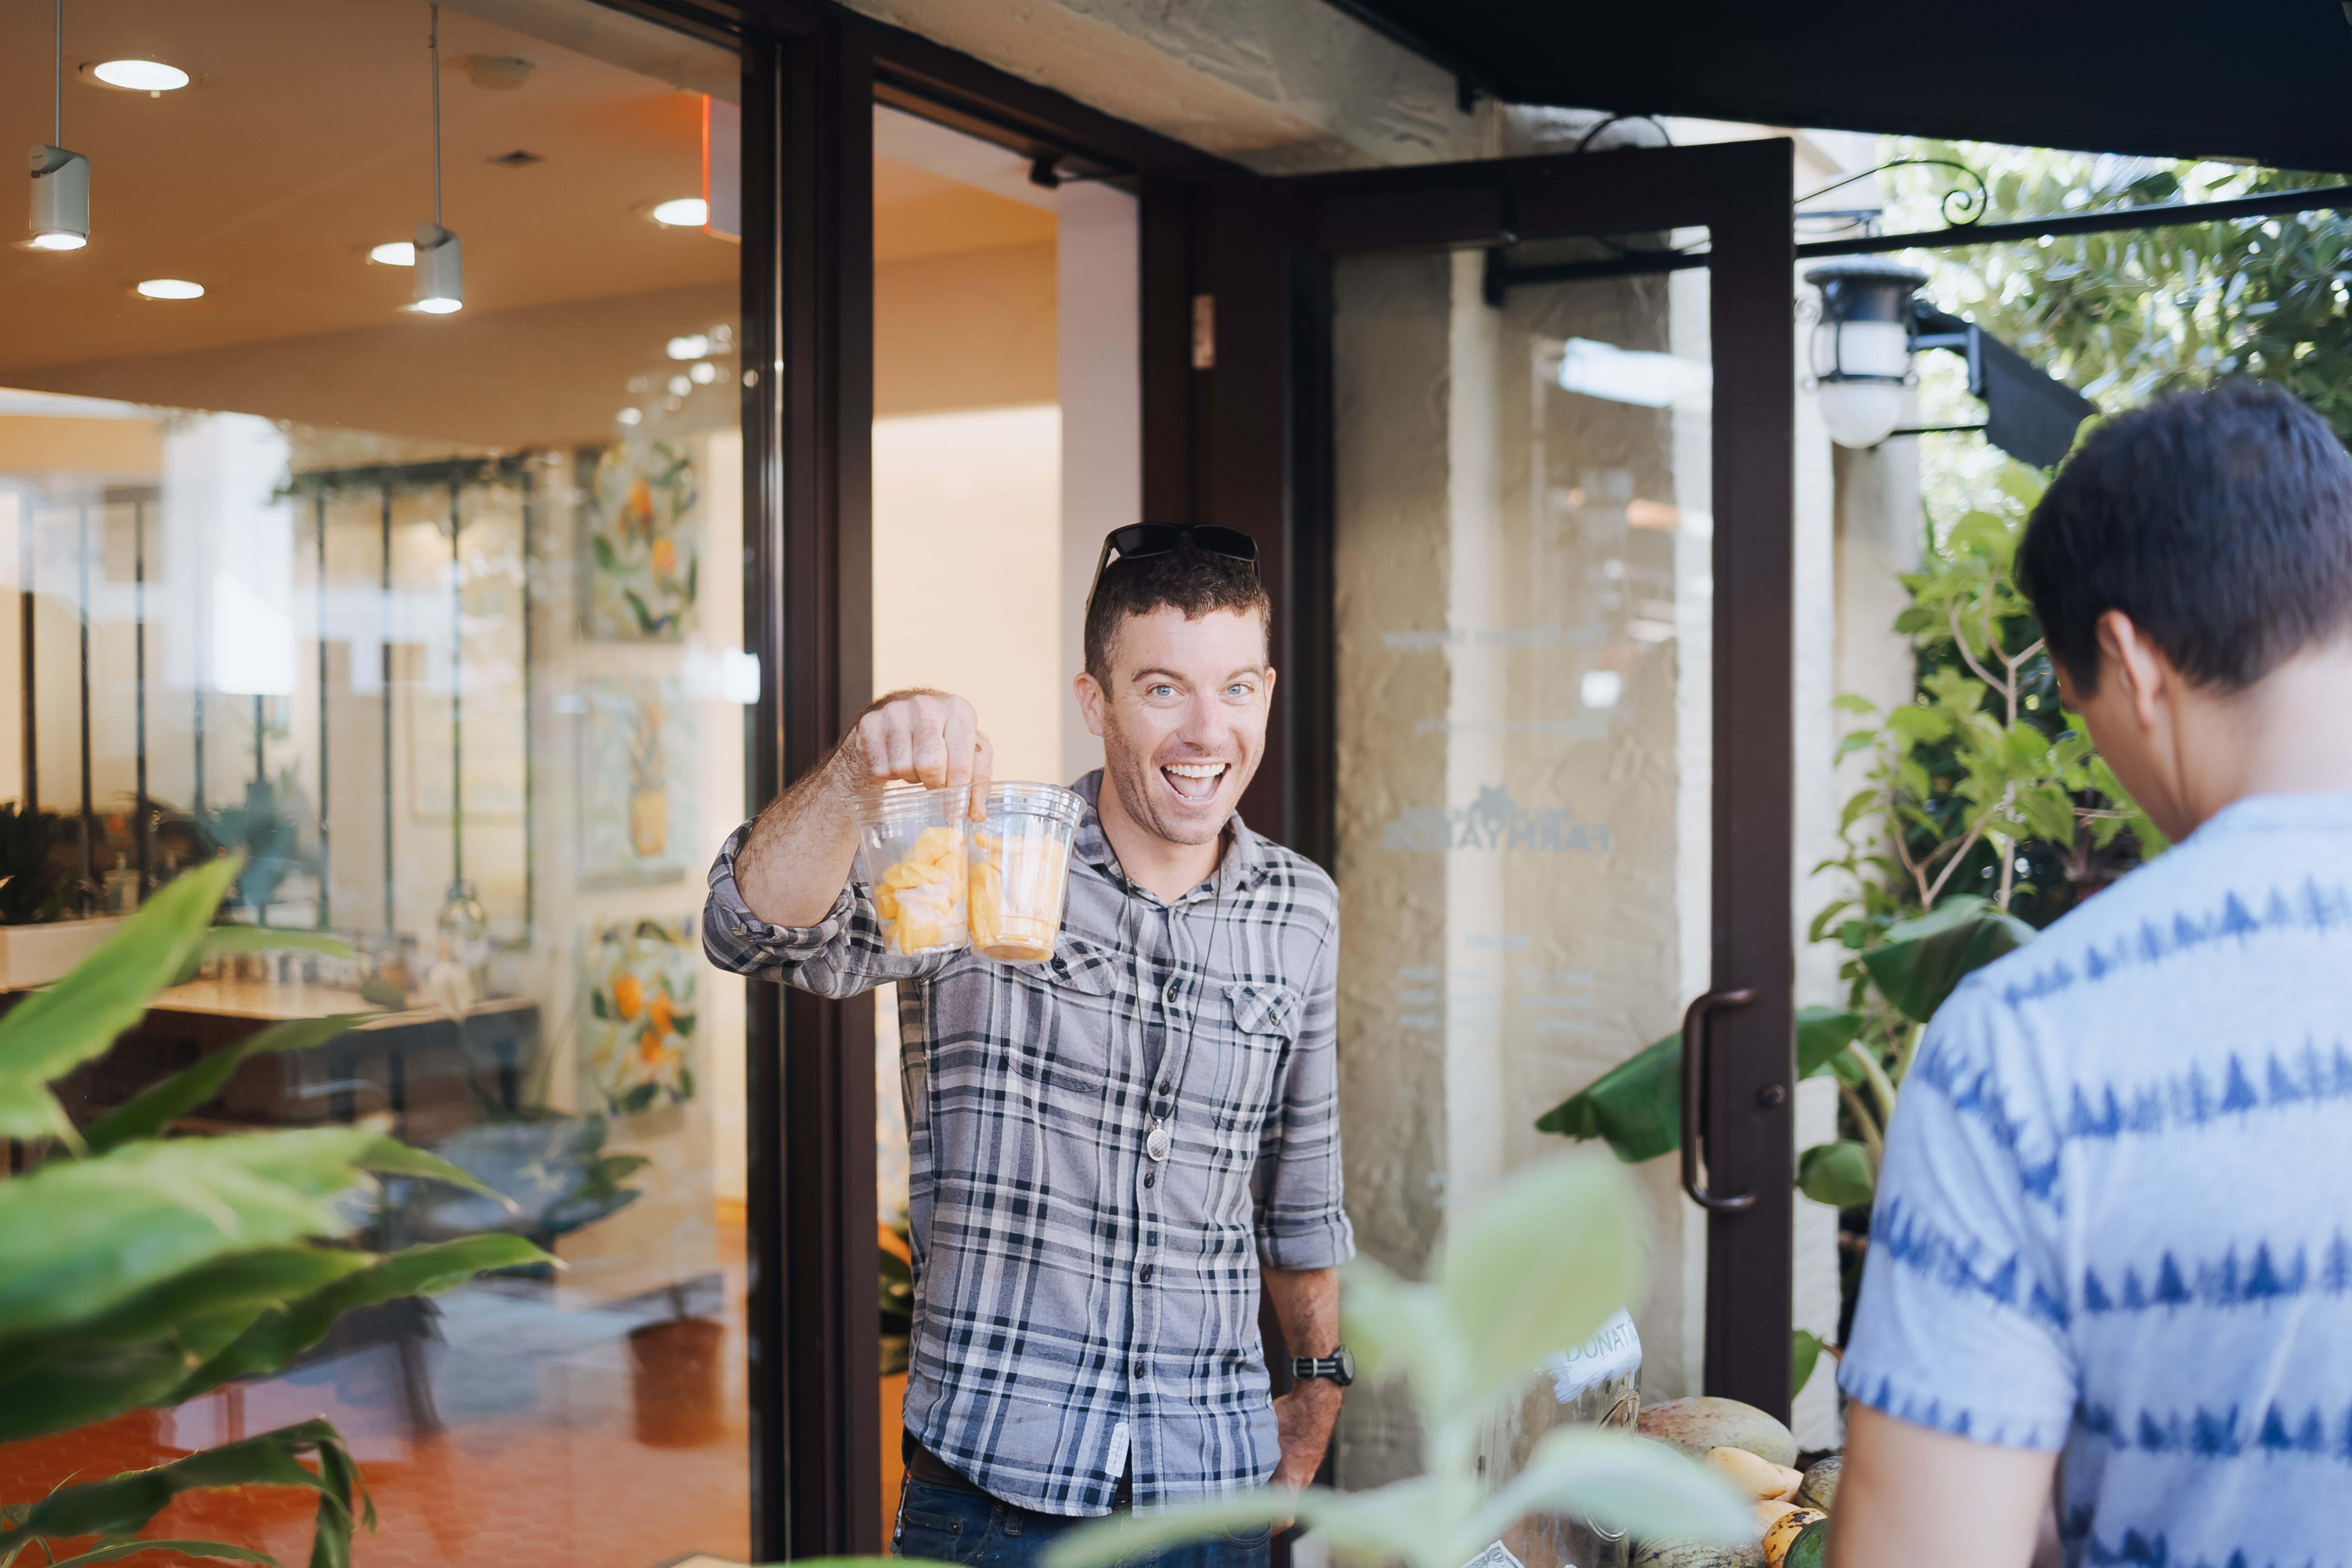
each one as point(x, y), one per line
point(1264, 1010)
point(1064, 1005)
point(1266, 1020)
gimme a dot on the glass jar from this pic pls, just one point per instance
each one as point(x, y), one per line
point(465, 933)
point(911, 853)
point(1020, 870)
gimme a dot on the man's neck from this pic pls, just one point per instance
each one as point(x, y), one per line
point(1167, 868)
point(2283, 735)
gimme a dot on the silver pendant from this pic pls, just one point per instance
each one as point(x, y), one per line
point(1160, 1140)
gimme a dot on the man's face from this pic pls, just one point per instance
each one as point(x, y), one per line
point(1183, 724)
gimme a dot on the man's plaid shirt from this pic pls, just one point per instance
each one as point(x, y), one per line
point(1077, 1304)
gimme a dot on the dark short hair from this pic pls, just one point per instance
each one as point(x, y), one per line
point(2219, 522)
point(1180, 579)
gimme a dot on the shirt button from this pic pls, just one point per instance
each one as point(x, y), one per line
point(1171, 994)
point(1138, 1369)
point(1150, 1177)
point(1147, 1274)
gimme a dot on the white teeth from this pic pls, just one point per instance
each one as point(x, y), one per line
point(1197, 769)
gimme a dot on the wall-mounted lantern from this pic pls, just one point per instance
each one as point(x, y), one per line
point(1872, 323)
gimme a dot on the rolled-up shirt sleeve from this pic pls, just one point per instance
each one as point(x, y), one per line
point(1299, 1217)
point(843, 954)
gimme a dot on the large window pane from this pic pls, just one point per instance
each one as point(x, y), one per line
point(438, 620)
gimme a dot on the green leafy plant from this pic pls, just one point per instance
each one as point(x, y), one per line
point(141, 1269)
point(1498, 1303)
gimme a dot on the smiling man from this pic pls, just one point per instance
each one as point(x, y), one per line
point(1110, 1149)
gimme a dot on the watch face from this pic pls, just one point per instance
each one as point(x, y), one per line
point(1347, 1360)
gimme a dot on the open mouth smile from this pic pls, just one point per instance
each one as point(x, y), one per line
point(1195, 780)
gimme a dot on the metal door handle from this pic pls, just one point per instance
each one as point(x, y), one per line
point(1694, 1077)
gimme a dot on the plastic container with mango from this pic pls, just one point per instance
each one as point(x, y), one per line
point(943, 882)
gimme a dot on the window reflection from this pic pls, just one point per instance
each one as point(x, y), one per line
point(437, 623)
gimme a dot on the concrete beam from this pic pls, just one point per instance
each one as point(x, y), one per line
point(1279, 86)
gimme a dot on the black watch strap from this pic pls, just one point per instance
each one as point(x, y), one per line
point(1340, 1367)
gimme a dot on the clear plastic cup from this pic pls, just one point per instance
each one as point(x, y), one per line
point(912, 845)
point(1020, 869)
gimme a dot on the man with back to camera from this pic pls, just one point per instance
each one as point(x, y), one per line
point(2113, 1220)
point(1111, 1148)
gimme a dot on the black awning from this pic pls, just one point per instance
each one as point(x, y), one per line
point(2263, 79)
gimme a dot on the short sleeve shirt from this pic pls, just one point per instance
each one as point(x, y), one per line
point(2113, 1213)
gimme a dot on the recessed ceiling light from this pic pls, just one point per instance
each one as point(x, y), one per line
point(394, 253)
point(439, 305)
point(140, 76)
point(630, 415)
point(679, 386)
point(704, 373)
point(690, 347)
point(58, 240)
point(684, 212)
point(171, 289)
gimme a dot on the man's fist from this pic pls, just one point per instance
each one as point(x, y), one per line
point(928, 738)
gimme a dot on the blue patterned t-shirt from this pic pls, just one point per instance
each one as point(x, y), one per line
point(2116, 1199)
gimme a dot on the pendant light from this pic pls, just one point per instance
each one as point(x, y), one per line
point(440, 259)
point(60, 218)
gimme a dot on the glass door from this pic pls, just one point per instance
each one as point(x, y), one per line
point(1535, 563)
point(1525, 572)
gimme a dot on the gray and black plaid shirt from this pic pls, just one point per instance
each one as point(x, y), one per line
point(1077, 1304)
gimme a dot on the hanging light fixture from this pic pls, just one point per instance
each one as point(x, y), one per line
point(60, 216)
point(440, 258)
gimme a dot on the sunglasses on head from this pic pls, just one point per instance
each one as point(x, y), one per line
point(1139, 539)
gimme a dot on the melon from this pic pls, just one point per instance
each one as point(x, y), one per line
point(1704, 1421)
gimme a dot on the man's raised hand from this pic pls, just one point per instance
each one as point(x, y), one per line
point(928, 738)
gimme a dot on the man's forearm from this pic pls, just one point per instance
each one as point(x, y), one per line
point(1307, 1303)
point(798, 855)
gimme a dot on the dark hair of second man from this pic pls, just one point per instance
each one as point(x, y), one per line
point(2220, 522)
point(1180, 579)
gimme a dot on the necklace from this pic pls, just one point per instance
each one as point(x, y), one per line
point(1161, 1139)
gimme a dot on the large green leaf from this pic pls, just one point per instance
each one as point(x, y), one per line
point(1922, 960)
point(284, 1332)
point(1837, 1175)
point(122, 1505)
point(153, 1109)
point(1804, 1354)
point(1821, 1033)
point(1393, 1326)
point(54, 1030)
point(1538, 1264)
point(1635, 1106)
point(390, 1157)
point(78, 1237)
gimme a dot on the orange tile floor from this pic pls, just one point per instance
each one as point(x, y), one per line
point(536, 1464)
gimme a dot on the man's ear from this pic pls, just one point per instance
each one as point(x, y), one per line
point(1090, 703)
point(2148, 679)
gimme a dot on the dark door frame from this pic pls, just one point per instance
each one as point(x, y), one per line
point(811, 75)
point(1261, 418)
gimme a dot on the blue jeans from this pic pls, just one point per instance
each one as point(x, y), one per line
point(950, 1525)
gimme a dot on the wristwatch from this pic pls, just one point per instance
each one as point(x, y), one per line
point(1339, 1366)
